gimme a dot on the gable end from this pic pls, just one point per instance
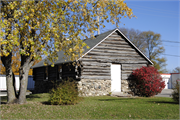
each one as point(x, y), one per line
point(118, 32)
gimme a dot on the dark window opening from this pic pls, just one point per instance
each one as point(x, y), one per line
point(59, 73)
point(46, 73)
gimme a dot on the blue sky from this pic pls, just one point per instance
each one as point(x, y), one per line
point(159, 16)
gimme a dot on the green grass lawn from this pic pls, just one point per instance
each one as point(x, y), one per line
point(103, 107)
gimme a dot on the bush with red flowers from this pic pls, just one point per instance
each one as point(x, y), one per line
point(148, 81)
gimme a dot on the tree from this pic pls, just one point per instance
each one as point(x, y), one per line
point(176, 70)
point(15, 63)
point(44, 27)
point(150, 44)
point(2, 69)
point(136, 37)
point(155, 49)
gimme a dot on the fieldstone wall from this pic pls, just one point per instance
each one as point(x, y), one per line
point(125, 86)
point(132, 87)
point(89, 87)
point(86, 87)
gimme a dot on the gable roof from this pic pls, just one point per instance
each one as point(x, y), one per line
point(92, 43)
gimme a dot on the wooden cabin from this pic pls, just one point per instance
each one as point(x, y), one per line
point(105, 67)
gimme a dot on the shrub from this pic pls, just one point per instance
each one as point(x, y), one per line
point(175, 94)
point(148, 81)
point(65, 93)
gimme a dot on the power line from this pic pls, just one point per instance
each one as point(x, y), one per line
point(152, 8)
point(156, 15)
point(170, 41)
point(155, 11)
point(171, 46)
point(171, 55)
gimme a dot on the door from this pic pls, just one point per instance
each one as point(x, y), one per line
point(115, 78)
point(166, 83)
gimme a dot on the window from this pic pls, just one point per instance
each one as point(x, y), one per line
point(46, 74)
point(59, 73)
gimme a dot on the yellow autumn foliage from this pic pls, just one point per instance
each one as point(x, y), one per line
point(15, 64)
point(45, 27)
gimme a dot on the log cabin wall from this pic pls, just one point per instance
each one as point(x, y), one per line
point(43, 84)
point(69, 71)
point(94, 71)
point(38, 73)
point(52, 73)
point(114, 49)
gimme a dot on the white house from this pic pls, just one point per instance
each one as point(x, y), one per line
point(166, 78)
point(3, 82)
point(170, 79)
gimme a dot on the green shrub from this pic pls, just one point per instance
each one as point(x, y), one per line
point(66, 93)
point(175, 94)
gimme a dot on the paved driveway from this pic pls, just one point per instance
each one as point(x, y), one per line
point(165, 93)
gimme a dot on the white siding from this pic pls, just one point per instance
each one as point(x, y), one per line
point(170, 79)
point(3, 82)
point(166, 78)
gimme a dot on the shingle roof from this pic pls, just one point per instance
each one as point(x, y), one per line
point(91, 43)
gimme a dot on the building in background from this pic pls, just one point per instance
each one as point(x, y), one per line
point(3, 86)
point(170, 79)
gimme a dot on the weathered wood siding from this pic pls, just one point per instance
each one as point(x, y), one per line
point(52, 73)
point(38, 73)
point(115, 49)
point(68, 70)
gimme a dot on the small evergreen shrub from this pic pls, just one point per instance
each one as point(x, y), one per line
point(148, 81)
point(66, 93)
point(175, 94)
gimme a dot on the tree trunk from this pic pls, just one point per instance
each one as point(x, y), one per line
point(11, 92)
point(23, 77)
point(26, 63)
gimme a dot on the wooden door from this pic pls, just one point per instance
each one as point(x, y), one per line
point(115, 78)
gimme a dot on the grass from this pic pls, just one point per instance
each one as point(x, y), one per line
point(103, 107)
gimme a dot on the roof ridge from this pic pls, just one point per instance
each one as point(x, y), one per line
point(100, 34)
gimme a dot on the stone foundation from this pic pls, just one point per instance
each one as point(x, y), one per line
point(132, 87)
point(86, 87)
point(125, 86)
point(89, 87)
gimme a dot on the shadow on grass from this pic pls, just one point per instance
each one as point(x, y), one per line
point(32, 96)
point(144, 100)
point(3, 98)
point(79, 100)
point(46, 103)
point(120, 99)
point(3, 102)
point(165, 102)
